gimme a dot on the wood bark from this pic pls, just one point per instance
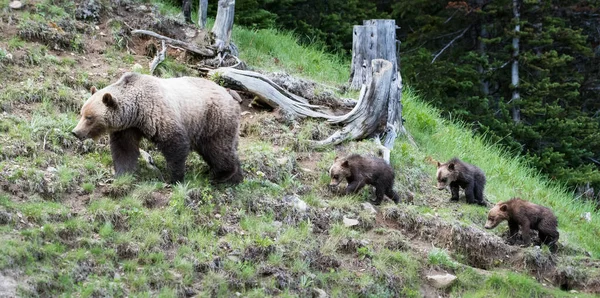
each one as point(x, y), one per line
point(364, 120)
point(386, 49)
point(223, 25)
point(202, 13)
point(364, 49)
point(267, 91)
point(516, 111)
point(189, 47)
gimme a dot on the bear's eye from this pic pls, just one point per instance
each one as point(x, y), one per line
point(89, 117)
point(335, 177)
point(444, 180)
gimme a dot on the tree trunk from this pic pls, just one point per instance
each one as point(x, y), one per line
point(365, 119)
point(386, 49)
point(364, 49)
point(202, 13)
point(516, 111)
point(223, 25)
point(267, 92)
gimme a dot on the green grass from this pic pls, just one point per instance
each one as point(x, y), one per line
point(75, 231)
point(507, 175)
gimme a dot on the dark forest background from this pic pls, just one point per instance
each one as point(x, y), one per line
point(554, 123)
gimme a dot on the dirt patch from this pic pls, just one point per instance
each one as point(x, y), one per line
point(481, 249)
point(8, 286)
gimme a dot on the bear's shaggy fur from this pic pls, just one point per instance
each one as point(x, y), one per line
point(456, 173)
point(525, 216)
point(178, 115)
point(360, 170)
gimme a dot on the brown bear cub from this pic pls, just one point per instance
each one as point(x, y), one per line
point(360, 170)
point(525, 216)
point(457, 173)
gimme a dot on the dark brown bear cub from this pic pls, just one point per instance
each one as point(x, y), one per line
point(525, 216)
point(360, 170)
point(457, 173)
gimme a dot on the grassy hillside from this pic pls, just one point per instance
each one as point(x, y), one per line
point(67, 228)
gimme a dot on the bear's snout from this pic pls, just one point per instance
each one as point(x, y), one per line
point(77, 135)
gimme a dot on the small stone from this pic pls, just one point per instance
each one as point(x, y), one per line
point(137, 68)
point(282, 161)
point(296, 202)
point(441, 281)
point(349, 222)
point(51, 169)
point(15, 5)
point(277, 224)
point(587, 216)
point(319, 293)
point(217, 216)
point(368, 207)
point(5, 217)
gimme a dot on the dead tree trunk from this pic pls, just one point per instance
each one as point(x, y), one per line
point(364, 49)
point(223, 26)
point(267, 92)
point(365, 119)
point(202, 13)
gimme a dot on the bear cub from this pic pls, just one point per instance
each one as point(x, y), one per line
point(360, 170)
point(456, 173)
point(525, 216)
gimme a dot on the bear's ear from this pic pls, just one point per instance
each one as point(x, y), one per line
point(503, 207)
point(439, 164)
point(336, 158)
point(93, 90)
point(109, 101)
point(451, 166)
point(345, 164)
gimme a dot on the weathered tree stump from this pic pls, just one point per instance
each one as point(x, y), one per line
point(202, 13)
point(365, 119)
point(364, 49)
point(223, 26)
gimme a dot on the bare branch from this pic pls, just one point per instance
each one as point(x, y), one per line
point(160, 57)
point(450, 43)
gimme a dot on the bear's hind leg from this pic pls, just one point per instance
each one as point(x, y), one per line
point(222, 160)
point(175, 152)
point(125, 150)
point(393, 195)
point(478, 192)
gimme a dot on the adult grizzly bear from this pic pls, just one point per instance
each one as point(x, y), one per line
point(525, 216)
point(456, 173)
point(178, 115)
point(360, 170)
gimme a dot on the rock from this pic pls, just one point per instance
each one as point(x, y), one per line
point(441, 281)
point(319, 293)
point(137, 68)
point(282, 161)
point(368, 207)
point(5, 218)
point(587, 216)
point(15, 5)
point(277, 224)
point(349, 222)
point(295, 201)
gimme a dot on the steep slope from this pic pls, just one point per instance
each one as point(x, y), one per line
point(67, 227)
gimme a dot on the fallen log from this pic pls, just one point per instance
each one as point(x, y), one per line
point(267, 92)
point(207, 52)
